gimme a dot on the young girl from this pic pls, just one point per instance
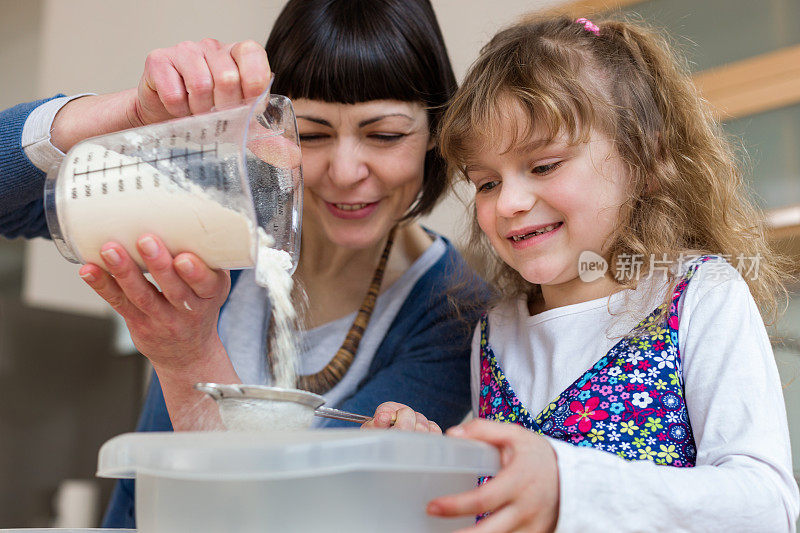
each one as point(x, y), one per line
point(626, 369)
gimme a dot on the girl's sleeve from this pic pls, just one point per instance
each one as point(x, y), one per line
point(743, 478)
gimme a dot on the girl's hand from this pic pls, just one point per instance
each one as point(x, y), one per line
point(192, 77)
point(175, 328)
point(524, 494)
point(399, 416)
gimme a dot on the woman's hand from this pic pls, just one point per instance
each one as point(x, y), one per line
point(192, 77)
point(176, 328)
point(188, 78)
point(398, 416)
point(524, 494)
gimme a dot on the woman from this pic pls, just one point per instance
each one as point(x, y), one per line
point(368, 79)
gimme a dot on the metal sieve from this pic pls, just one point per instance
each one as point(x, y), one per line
point(242, 406)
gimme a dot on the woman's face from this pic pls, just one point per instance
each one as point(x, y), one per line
point(362, 166)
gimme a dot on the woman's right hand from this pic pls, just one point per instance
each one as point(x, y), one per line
point(168, 326)
point(398, 416)
point(192, 77)
point(188, 78)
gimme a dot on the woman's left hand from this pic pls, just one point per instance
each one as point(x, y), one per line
point(524, 494)
point(175, 327)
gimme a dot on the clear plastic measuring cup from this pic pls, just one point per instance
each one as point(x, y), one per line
point(218, 184)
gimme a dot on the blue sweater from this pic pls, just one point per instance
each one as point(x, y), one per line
point(21, 183)
point(423, 361)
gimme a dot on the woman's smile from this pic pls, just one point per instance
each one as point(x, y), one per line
point(352, 211)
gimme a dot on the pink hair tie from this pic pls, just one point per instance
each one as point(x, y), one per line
point(588, 25)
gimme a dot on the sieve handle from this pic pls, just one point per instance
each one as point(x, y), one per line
point(336, 414)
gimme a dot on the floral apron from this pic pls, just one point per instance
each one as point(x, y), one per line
point(629, 403)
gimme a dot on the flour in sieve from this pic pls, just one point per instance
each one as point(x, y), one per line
point(264, 415)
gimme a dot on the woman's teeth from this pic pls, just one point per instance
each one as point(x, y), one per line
point(551, 227)
point(350, 207)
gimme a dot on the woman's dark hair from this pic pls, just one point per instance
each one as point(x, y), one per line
point(352, 51)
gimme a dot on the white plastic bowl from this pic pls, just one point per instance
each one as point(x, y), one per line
point(314, 480)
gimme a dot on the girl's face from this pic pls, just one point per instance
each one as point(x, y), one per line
point(362, 166)
point(541, 205)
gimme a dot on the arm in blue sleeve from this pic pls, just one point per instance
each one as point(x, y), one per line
point(121, 511)
point(21, 183)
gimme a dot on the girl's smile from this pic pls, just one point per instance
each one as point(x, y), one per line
point(533, 235)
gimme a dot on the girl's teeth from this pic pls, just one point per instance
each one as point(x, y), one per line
point(350, 207)
point(517, 238)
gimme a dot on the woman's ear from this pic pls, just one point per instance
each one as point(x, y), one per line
point(431, 143)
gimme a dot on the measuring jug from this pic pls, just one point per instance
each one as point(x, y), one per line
point(220, 184)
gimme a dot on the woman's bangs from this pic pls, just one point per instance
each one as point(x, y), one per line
point(353, 71)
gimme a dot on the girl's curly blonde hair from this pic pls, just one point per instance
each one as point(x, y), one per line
point(687, 194)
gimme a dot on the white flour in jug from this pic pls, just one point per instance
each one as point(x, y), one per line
point(115, 197)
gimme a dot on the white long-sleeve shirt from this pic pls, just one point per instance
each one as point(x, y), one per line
point(36, 133)
point(742, 480)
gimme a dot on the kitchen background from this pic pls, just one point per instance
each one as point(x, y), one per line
point(69, 377)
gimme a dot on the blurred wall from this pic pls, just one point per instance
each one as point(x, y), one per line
point(20, 45)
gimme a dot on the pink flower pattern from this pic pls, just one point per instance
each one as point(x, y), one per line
point(584, 414)
point(581, 408)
